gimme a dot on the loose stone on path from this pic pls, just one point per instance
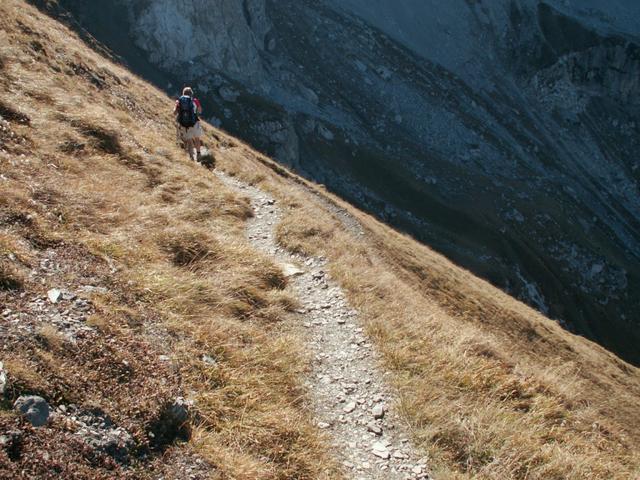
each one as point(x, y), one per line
point(290, 270)
point(350, 407)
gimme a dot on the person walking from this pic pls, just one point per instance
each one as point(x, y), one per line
point(187, 112)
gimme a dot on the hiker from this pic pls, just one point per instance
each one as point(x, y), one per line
point(187, 111)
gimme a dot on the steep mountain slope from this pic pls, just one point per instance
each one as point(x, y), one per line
point(130, 300)
point(162, 296)
point(501, 134)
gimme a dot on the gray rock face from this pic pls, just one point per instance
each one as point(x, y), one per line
point(504, 134)
point(35, 409)
point(180, 33)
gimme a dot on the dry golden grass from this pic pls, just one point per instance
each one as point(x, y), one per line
point(92, 167)
point(491, 388)
point(23, 374)
point(10, 277)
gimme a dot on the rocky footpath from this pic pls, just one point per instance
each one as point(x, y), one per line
point(351, 399)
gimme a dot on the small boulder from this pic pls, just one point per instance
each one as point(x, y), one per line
point(380, 450)
point(289, 270)
point(178, 412)
point(375, 429)
point(349, 407)
point(11, 442)
point(171, 424)
point(378, 411)
point(54, 295)
point(117, 443)
point(35, 409)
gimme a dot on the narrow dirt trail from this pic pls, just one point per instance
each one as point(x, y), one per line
point(351, 400)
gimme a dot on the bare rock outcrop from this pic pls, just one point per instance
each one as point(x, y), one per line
point(224, 35)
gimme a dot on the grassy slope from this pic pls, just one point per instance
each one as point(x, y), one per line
point(491, 388)
point(92, 178)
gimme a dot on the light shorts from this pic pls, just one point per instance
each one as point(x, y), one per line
point(191, 132)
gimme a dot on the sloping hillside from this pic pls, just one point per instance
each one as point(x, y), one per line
point(503, 134)
point(167, 345)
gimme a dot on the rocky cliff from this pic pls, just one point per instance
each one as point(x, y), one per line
point(189, 31)
point(504, 135)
